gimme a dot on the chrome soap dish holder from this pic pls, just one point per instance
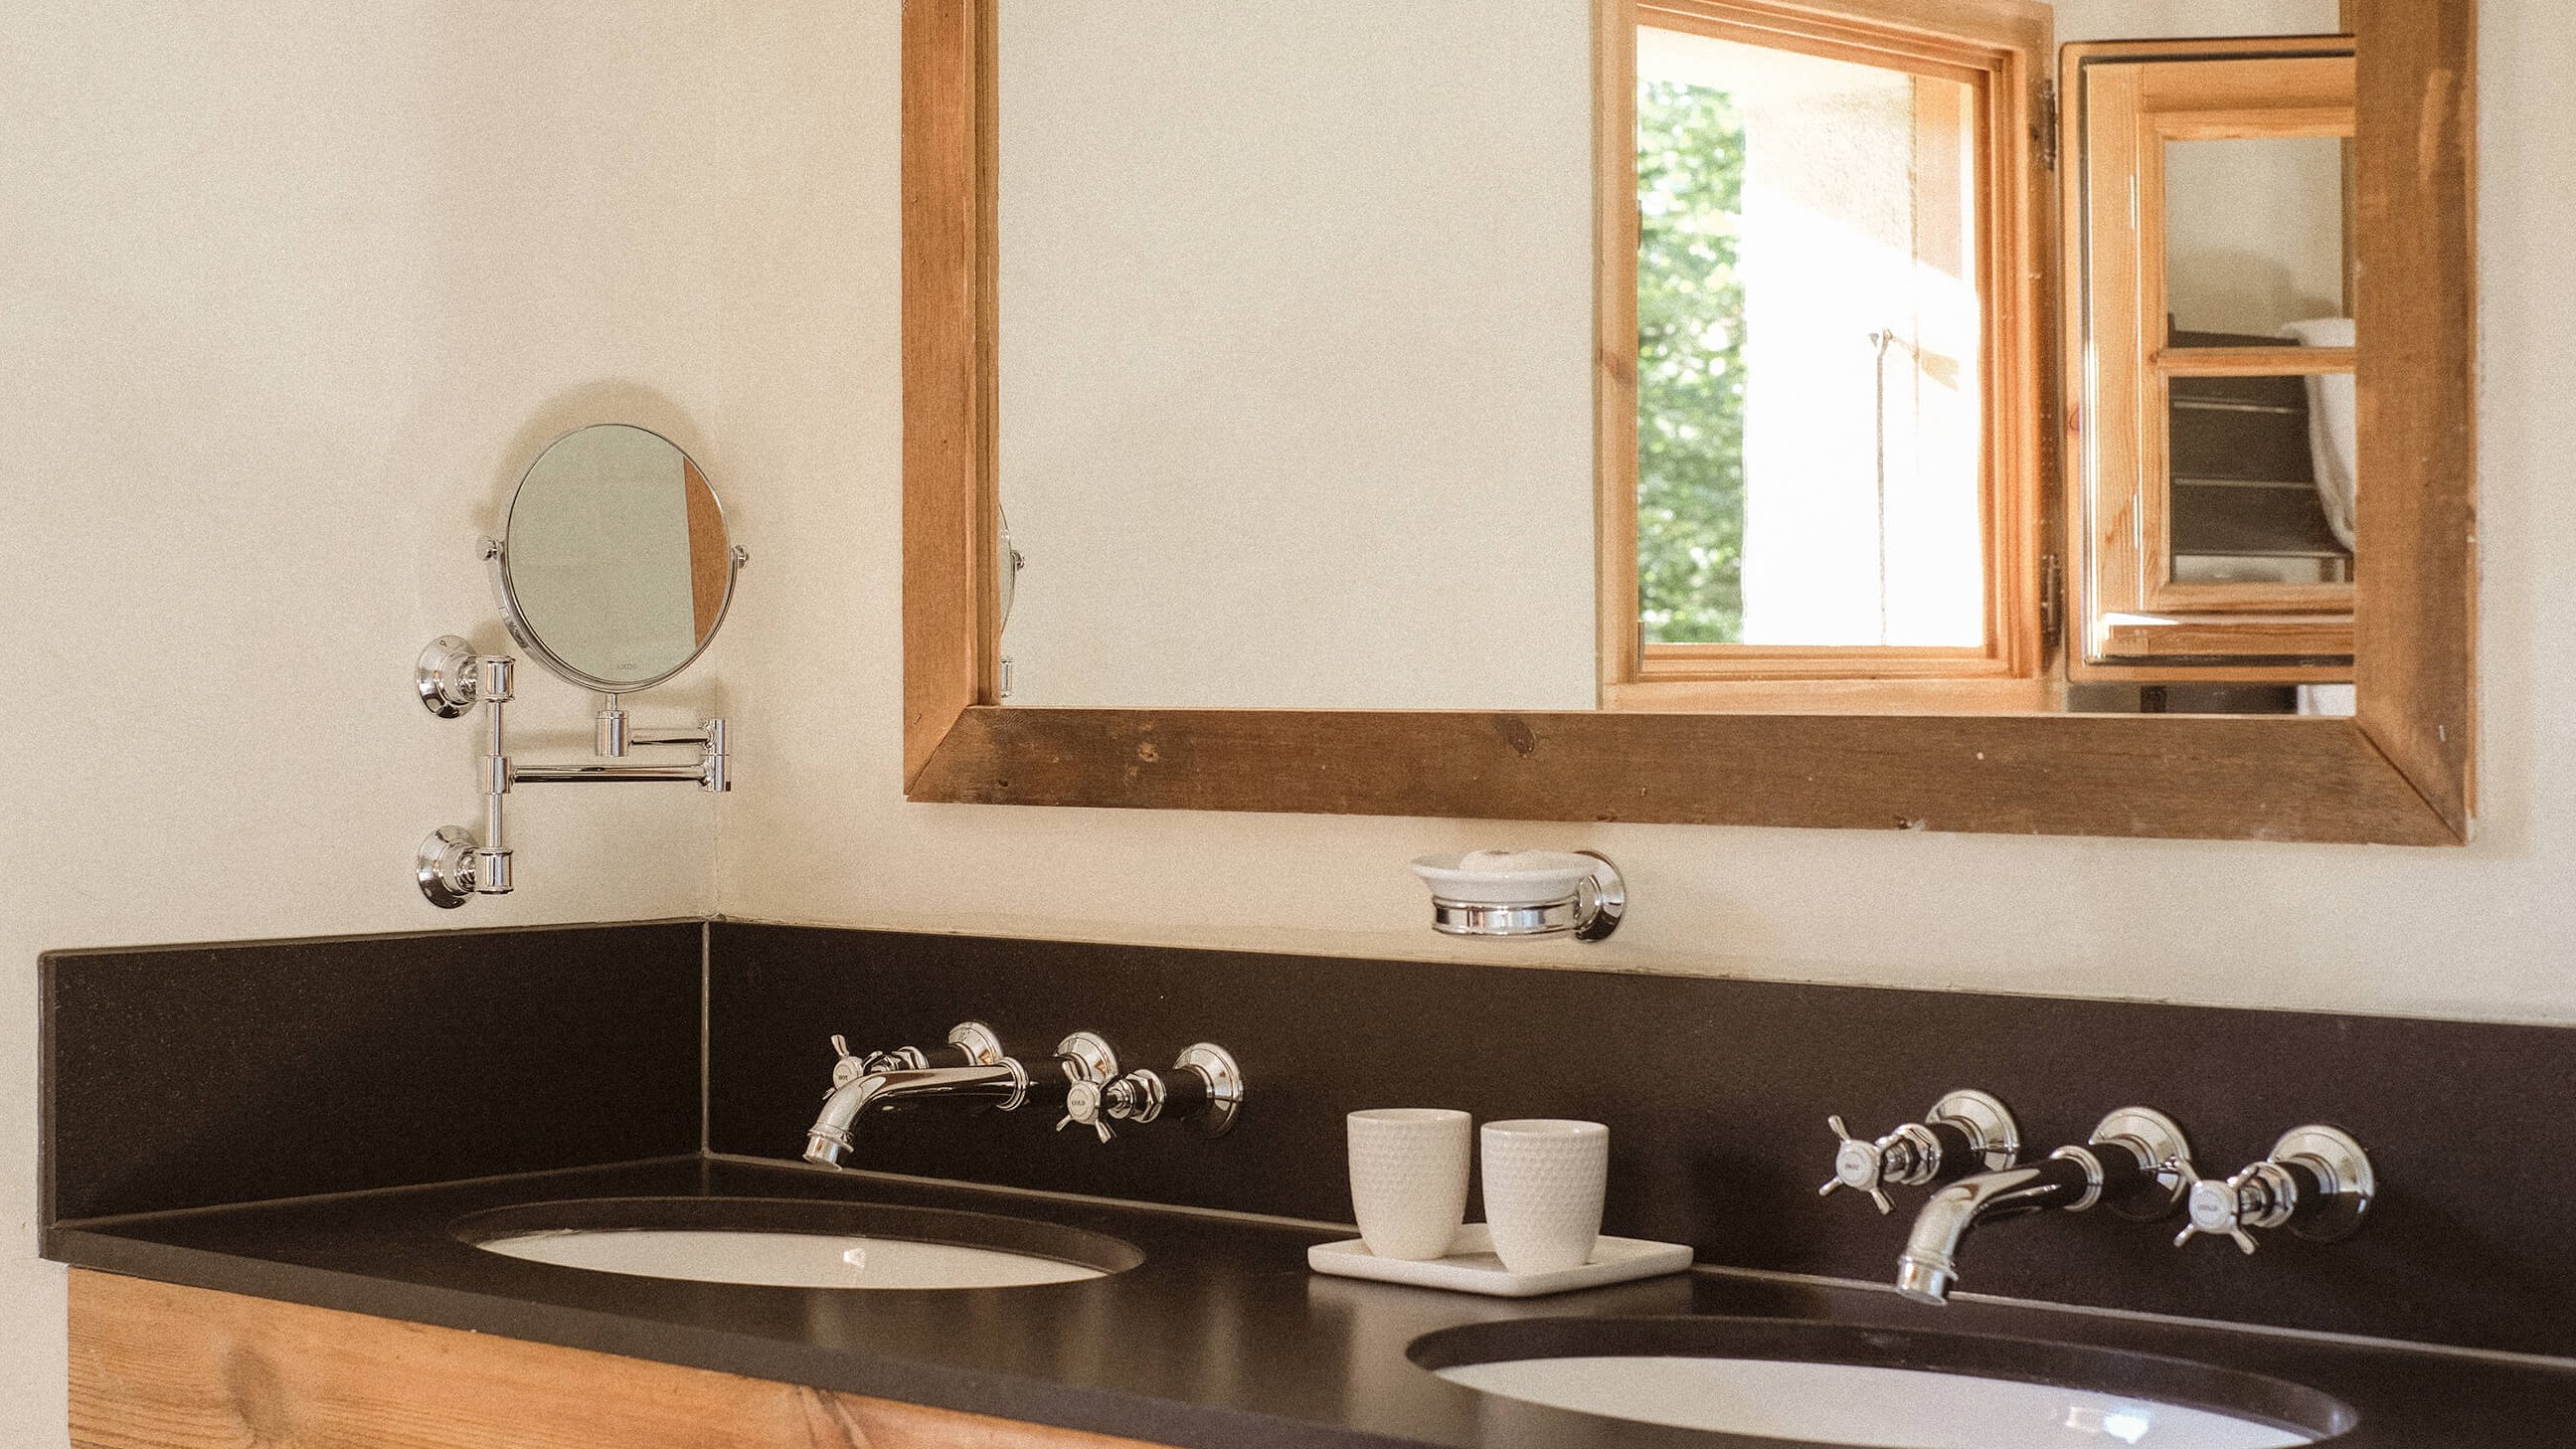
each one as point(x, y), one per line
point(1519, 893)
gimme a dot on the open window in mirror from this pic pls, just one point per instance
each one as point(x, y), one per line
point(1696, 410)
point(1821, 450)
point(2209, 279)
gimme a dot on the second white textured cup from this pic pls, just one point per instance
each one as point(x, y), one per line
point(1409, 1179)
point(1544, 1181)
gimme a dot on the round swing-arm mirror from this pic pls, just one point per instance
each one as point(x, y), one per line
point(614, 568)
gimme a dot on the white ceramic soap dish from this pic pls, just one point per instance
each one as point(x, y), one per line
point(1471, 1266)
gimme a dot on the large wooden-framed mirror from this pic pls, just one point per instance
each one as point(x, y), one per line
point(2397, 770)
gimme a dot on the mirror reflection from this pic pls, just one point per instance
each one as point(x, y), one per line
point(2255, 235)
point(2215, 492)
point(1808, 350)
point(616, 568)
point(1340, 261)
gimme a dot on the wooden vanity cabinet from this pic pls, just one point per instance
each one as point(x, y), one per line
point(155, 1366)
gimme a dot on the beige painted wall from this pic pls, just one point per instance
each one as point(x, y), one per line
point(289, 295)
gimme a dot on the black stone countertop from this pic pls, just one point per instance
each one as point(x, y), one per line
point(1221, 1339)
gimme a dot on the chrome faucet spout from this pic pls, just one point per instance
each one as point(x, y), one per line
point(2136, 1163)
point(1004, 1084)
point(1930, 1263)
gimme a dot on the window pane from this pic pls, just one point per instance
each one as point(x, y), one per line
point(1808, 346)
point(2254, 237)
point(2247, 456)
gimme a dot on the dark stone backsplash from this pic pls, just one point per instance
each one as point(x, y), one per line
point(1716, 1093)
point(193, 1075)
point(187, 1076)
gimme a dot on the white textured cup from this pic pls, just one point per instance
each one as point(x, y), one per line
point(1409, 1179)
point(1544, 1181)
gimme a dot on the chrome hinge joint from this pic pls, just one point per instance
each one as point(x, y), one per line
point(2052, 600)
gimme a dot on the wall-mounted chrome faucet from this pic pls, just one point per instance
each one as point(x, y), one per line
point(986, 1077)
point(2137, 1163)
point(1085, 1085)
point(1965, 1132)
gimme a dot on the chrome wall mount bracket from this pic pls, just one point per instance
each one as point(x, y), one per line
point(1087, 1056)
point(2162, 1151)
point(445, 676)
point(1224, 1085)
point(445, 866)
point(454, 866)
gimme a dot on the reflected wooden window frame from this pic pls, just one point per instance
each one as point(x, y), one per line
point(2126, 100)
point(2399, 772)
point(1998, 50)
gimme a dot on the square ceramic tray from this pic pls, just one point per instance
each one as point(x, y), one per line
point(1471, 1266)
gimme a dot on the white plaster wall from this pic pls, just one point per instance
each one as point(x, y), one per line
point(290, 293)
point(2483, 932)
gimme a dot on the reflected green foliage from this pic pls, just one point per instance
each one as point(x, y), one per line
point(1690, 365)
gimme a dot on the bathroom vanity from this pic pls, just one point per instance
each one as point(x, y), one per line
point(277, 1205)
point(1217, 1338)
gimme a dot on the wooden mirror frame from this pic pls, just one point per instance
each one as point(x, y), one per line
point(2400, 773)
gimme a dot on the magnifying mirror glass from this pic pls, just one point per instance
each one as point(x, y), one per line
point(614, 568)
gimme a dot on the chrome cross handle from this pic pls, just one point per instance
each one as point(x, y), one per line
point(1863, 1166)
point(849, 1067)
point(1088, 1063)
point(1083, 1104)
point(2317, 1183)
point(1965, 1132)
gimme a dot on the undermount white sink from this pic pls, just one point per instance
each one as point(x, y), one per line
point(1815, 1381)
point(786, 1260)
point(1860, 1404)
point(794, 1243)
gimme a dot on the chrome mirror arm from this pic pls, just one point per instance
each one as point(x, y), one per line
point(453, 866)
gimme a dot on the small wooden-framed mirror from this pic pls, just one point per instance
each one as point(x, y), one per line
point(2397, 770)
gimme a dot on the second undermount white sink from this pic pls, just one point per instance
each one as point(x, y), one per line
point(783, 1243)
point(786, 1260)
point(1860, 1404)
point(1815, 1381)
